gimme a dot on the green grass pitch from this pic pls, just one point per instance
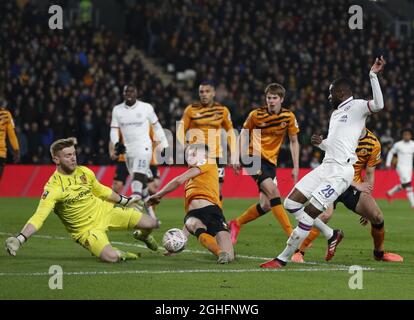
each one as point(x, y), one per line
point(194, 273)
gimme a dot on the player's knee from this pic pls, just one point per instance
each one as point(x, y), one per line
point(154, 224)
point(269, 189)
point(377, 218)
point(263, 206)
point(109, 256)
point(292, 206)
point(147, 222)
point(193, 225)
point(315, 208)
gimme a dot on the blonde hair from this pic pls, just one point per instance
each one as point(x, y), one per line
point(61, 144)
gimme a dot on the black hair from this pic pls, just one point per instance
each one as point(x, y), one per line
point(130, 85)
point(343, 84)
point(407, 130)
point(210, 83)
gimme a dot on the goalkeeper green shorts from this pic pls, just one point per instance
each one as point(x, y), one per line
point(118, 218)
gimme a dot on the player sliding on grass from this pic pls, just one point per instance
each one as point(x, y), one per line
point(85, 207)
point(204, 217)
point(265, 130)
point(322, 186)
point(358, 198)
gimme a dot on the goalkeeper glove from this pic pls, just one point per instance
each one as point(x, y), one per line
point(119, 149)
point(13, 244)
point(128, 201)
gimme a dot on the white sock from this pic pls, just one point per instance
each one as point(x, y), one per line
point(136, 187)
point(326, 230)
point(395, 189)
point(410, 195)
point(299, 234)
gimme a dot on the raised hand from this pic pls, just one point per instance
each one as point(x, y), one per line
point(378, 65)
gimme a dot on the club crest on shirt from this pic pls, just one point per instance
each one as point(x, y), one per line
point(344, 118)
point(83, 179)
point(44, 194)
point(364, 152)
point(283, 124)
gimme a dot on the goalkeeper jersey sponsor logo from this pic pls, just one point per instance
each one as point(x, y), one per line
point(81, 195)
point(84, 179)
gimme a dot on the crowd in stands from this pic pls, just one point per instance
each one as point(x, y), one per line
point(244, 45)
point(65, 83)
point(60, 83)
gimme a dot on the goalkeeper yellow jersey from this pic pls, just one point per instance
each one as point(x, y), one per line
point(77, 199)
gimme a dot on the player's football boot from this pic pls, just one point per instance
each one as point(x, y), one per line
point(234, 231)
point(388, 256)
point(223, 258)
point(389, 198)
point(273, 264)
point(149, 240)
point(298, 257)
point(333, 243)
point(125, 255)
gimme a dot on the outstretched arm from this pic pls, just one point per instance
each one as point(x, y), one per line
point(45, 207)
point(173, 184)
point(378, 103)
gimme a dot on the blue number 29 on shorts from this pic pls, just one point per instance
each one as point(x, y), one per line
point(328, 191)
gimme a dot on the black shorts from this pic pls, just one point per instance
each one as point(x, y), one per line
point(349, 198)
point(212, 217)
point(221, 169)
point(121, 172)
point(2, 165)
point(267, 170)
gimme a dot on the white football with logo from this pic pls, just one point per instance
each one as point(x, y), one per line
point(174, 240)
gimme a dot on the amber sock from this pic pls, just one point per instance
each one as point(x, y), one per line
point(312, 236)
point(208, 241)
point(280, 214)
point(254, 212)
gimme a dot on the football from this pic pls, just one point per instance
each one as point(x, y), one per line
point(174, 240)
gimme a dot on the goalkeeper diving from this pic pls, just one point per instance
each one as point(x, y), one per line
point(87, 208)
